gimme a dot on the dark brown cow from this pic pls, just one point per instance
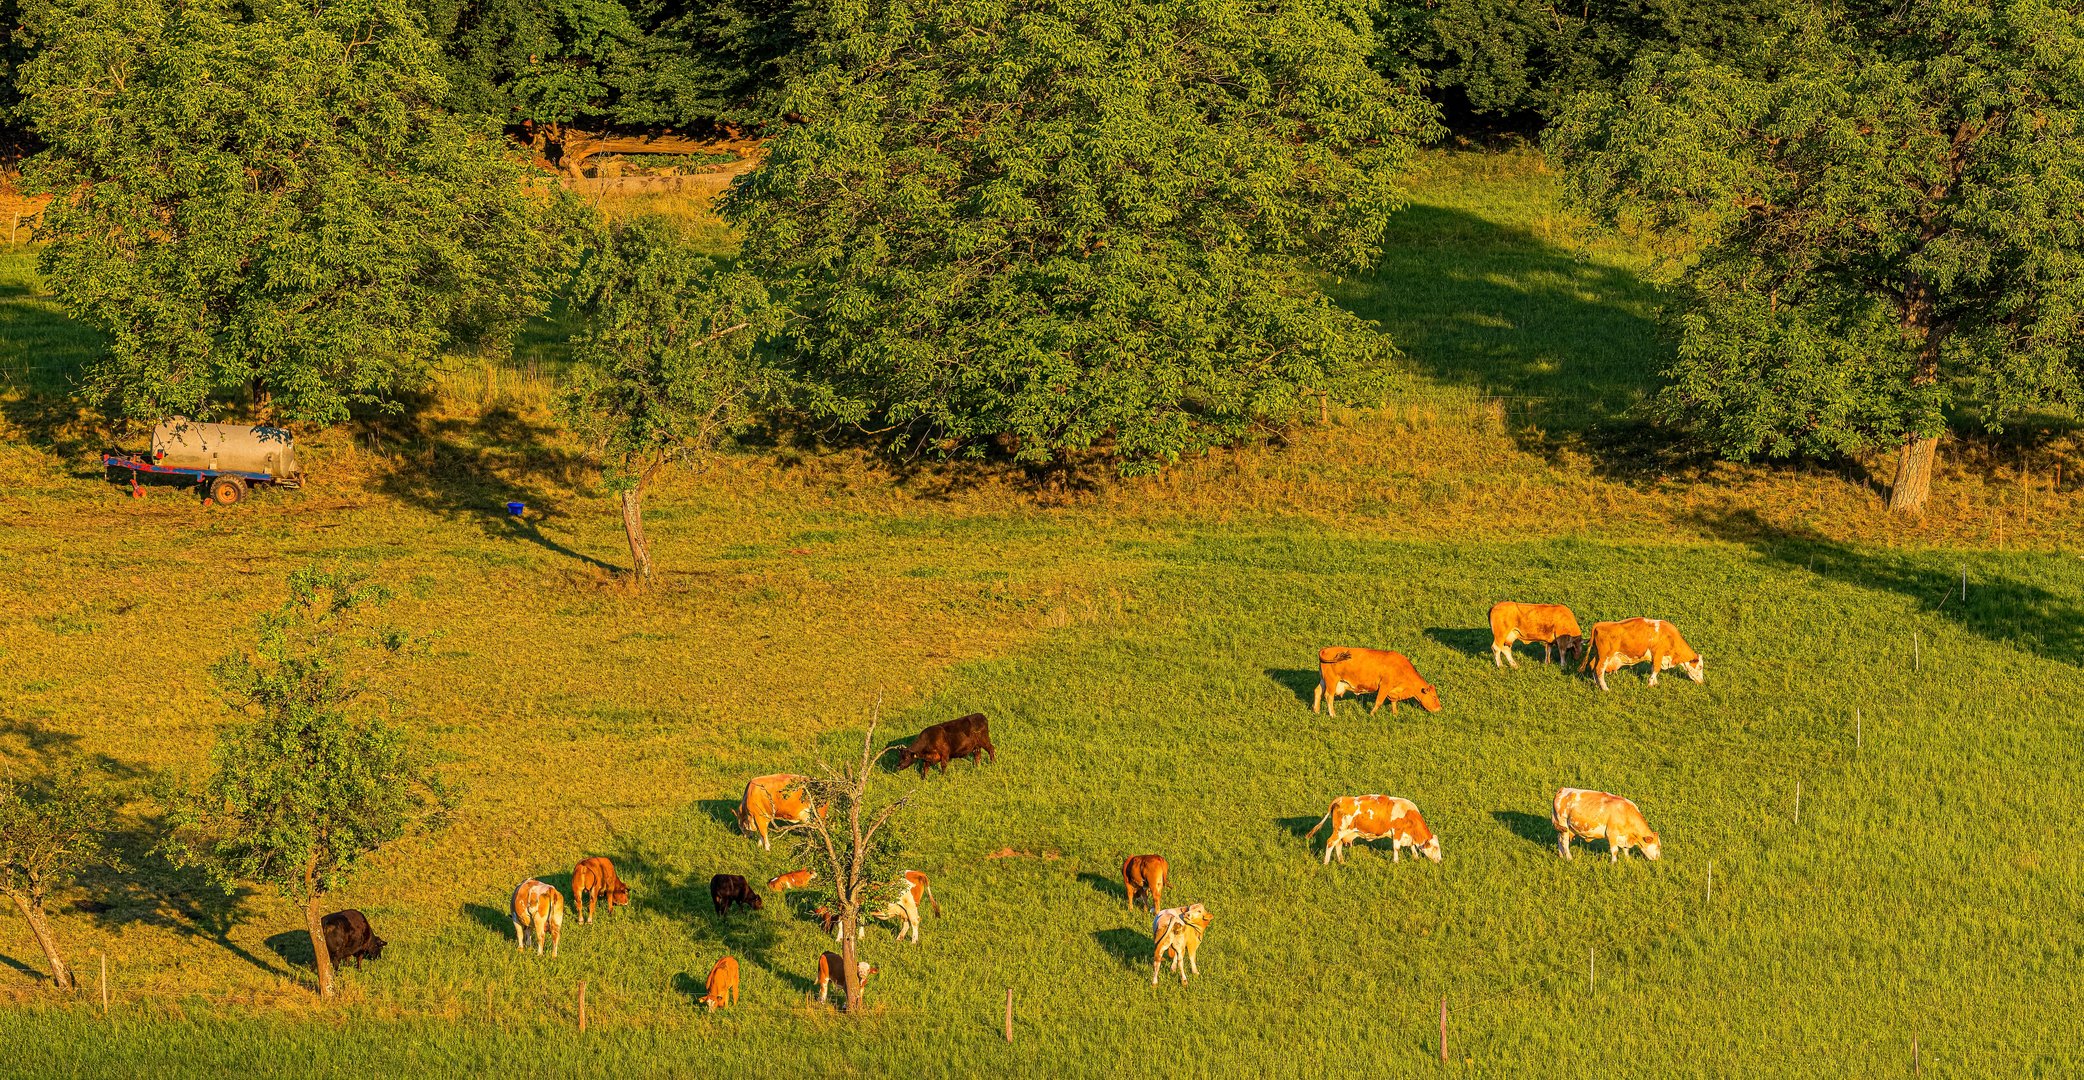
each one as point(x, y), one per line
point(728, 889)
point(348, 937)
point(968, 736)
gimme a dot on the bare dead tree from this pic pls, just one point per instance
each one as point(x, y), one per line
point(850, 850)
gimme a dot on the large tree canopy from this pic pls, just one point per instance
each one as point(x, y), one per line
point(268, 197)
point(1889, 225)
point(1058, 224)
point(1515, 58)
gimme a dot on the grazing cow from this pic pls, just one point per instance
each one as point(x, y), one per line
point(1375, 817)
point(902, 909)
point(1616, 645)
point(1387, 675)
point(968, 736)
point(779, 797)
point(916, 884)
point(538, 907)
point(728, 889)
point(830, 967)
point(794, 879)
point(1596, 815)
point(1144, 876)
point(722, 985)
point(1546, 624)
point(1177, 933)
point(593, 880)
point(348, 937)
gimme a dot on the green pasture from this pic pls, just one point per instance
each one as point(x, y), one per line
point(1145, 652)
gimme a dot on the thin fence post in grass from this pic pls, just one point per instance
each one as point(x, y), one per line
point(1856, 739)
point(1009, 1014)
point(1443, 1029)
point(1917, 653)
point(1917, 1067)
point(1798, 803)
point(582, 1006)
point(1711, 881)
point(103, 957)
point(1591, 968)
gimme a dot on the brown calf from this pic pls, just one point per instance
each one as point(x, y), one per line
point(592, 880)
point(794, 879)
point(831, 967)
point(722, 986)
point(1144, 876)
point(779, 797)
point(1546, 624)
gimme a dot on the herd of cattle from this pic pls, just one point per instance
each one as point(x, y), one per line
point(781, 799)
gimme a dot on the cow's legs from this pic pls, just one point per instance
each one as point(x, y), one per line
point(1604, 667)
point(1317, 697)
point(1545, 653)
point(1563, 844)
point(520, 936)
point(1655, 666)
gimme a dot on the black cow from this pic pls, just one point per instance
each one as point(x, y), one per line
point(728, 889)
point(348, 937)
point(968, 736)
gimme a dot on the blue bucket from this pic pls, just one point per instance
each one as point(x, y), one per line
point(516, 508)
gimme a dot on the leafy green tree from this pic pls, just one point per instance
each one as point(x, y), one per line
point(50, 829)
point(1889, 226)
point(668, 364)
point(268, 198)
point(1513, 59)
point(1055, 225)
point(593, 65)
point(312, 782)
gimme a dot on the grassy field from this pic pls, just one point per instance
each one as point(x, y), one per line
point(1145, 651)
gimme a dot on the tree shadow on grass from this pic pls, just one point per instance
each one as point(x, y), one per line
point(468, 469)
point(1999, 608)
point(1533, 828)
point(1302, 682)
point(1131, 947)
point(1462, 639)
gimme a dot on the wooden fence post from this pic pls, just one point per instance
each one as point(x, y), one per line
point(1711, 881)
point(1798, 804)
point(582, 1006)
point(104, 984)
point(1443, 1029)
point(1009, 1014)
point(1591, 968)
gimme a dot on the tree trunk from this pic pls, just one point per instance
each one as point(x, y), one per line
point(321, 960)
point(32, 913)
point(1914, 474)
point(850, 929)
point(1920, 454)
point(633, 525)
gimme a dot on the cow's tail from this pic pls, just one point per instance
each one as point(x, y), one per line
point(933, 903)
point(1312, 834)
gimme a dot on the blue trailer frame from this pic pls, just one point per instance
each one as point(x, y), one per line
point(202, 477)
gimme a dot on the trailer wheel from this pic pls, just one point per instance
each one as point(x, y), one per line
point(226, 490)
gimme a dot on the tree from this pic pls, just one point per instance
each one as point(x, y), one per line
point(308, 786)
point(1519, 59)
point(668, 364)
point(1889, 226)
point(50, 829)
point(267, 198)
point(846, 842)
point(1051, 225)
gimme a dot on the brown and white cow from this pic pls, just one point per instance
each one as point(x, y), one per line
point(1144, 876)
point(1616, 645)
point(794, 879)
point(902, 909)
point(1596, 815)
point(1177, 933)
point(1376, 817)
point(594, 880)
point(831, 969)
point(722, 987)
point(922, 893)
point(538, 907)
point(1387, 675)
point(779, 797)
point(1544, 624)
